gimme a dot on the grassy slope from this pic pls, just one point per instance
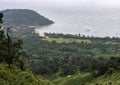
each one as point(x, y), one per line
point(15, 76)
point(113, 79)
point(87, 79)
point(66, 40)
point(78, 79)
point(70, 40)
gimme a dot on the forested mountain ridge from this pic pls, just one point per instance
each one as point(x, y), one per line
point(24, 17)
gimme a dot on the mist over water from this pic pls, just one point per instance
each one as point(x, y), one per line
point(100, 22)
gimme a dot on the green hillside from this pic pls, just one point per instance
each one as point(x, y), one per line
point(77, 79)
point(88, 79)
point(113, 79)
point(15, 76)
point(24, 17)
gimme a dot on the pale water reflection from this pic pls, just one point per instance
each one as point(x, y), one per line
point(96, 22)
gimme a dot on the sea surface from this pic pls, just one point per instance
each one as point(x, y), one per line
point(100, 22)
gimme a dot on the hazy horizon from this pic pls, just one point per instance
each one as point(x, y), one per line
point(47, 4)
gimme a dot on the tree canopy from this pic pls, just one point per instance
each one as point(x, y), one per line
point(10, 50)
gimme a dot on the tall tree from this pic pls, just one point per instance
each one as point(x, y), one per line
point(10, 51)
point(9, 44)
point(1, 31)
point(2, 38)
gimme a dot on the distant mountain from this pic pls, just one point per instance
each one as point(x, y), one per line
point(24, 17)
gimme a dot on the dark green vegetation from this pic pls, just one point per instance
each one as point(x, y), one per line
point(20, 17)
point(11, 51)
point(71, 59)
point(61, 59)
point(15, 76)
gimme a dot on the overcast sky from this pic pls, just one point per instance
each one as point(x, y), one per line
point(34, 4)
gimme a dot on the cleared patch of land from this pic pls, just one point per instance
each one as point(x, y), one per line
point(67, 40)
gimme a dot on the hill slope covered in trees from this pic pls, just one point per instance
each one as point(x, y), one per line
point(25, 17)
